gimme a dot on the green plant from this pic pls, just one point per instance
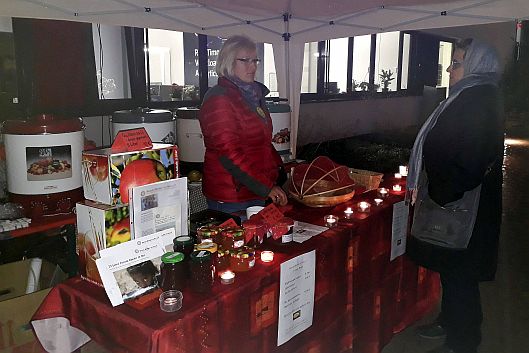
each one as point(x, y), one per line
point(385, 78)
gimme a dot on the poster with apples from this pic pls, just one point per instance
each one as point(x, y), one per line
point(108, 176)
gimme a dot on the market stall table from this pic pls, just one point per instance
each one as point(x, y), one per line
point(361, 300)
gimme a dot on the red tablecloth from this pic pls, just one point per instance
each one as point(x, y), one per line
point(361, 299)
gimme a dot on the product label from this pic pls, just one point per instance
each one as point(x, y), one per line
point(48, 163)
point(287, 238)
point(252, 263)
point(202, 253)
point(238, 244)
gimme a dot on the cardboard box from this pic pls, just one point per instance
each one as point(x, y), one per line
point(15, 316)
point(99, 226)
point(107, 175)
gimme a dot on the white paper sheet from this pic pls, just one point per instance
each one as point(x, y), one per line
point(304, 231)
point(159, 206)
point(116, 259)
point(296, 296)
point(399, 229)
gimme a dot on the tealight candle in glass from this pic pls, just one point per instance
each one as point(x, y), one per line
point(378, 202)
point(398, 176)
point(348, 212)
point(397, 188)
point(330, 221)
point(227, 277)
point(403, 170)
point(267, 256)
point(364, 206)
point(382, 192)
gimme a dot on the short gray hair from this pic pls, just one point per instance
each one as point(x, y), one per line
point(226, 57)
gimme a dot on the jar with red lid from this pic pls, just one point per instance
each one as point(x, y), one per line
point(254, 232)
point(172, 271)
point(232, 238)
point(242, 259)
point(222, 262)
point(202, 271)
point(282, 231)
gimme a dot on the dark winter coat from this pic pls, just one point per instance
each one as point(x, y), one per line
point(240, 163)
point(463, 150)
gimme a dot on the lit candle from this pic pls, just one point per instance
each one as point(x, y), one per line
point(227, 277)
point(348, 212)
point(364, 206)
point(397, 188)
point(267, 256)
point(378, 202)
point(403, 170)
point(383, 192)
point(330, 220)
point(398, 176)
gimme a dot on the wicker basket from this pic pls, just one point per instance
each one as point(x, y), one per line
point(326, 194)
point(369, 180)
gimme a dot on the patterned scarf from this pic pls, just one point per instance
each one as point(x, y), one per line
point(480, 67)
point(251, 92)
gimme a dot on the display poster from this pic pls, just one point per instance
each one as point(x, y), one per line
point(399, 229)
point(296, 296)
point(131, 269)
point(49, 163)
point(159, 206)
point(214, 44)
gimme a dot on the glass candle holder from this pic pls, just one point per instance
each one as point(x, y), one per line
point(382, 192)
point(398, 176)
point(267, 256)
point(171, 301)
point(227, 277)
point(330, 220)
point(403, 170)
point(378, 202)
point(363, 206)
point(348, 212)
point(397, 188)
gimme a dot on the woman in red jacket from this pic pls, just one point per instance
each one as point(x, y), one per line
point(241, 165)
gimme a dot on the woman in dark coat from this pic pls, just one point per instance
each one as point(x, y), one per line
point(461, 146)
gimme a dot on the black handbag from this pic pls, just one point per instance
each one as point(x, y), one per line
point(448, 226)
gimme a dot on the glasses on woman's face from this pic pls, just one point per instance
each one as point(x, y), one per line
point(249, 61)
point(454, 64)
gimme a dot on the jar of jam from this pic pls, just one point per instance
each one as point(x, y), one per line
point(222, 262)
point(172, 271)
point(242, 259)
point(232, 238)
point(282, 231)
point(184, 244)
point(208, 246)
point(207, 233)
point(202, 271)
point(254, 232)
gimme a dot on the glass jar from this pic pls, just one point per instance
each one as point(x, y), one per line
point(232, 238)
point(222, 262)
point(242, 259)
point(254, 232)
point(172, 271)
point(282, 231)
point(202, 271)
point(184, 244)
point(207, 233)
point(207, 246)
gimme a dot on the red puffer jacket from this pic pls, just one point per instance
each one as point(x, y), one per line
point(240, 163)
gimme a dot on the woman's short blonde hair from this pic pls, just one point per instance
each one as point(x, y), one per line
point(228, 52)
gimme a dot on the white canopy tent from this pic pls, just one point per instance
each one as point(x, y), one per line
point(286, 24)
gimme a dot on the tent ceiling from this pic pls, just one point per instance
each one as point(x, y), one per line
point(263, 20)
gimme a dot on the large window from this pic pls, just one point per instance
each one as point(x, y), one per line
point(445, 56)
point(387, 61)
point(361, 62)
point(309, 78)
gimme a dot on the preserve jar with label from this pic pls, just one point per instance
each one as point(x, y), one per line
point(222, 262)
point(232, 238)
point(202, 271)
point(208, 246)
point(184, 244)
point(282, 231)
point(172, 271)
point(242, 259)
point(207, 233)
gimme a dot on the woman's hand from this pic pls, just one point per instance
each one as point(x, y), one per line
point(278, 196)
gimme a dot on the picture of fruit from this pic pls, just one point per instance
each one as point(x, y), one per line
point(140, 172)
point(283, 136)
point(120, 232)
point(194, 176)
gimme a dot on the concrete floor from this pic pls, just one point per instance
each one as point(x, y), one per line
point(505, 300)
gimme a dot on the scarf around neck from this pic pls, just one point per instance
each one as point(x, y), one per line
point(251, 91)
point(481, 62)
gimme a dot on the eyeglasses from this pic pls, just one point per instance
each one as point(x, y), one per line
point(249, 61)
point(455, 64)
